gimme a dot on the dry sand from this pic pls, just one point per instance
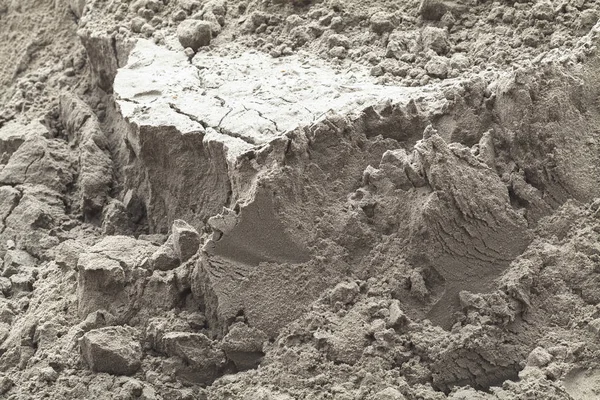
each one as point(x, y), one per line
point(296, 199)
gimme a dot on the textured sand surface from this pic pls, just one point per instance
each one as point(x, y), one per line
point(296, 199)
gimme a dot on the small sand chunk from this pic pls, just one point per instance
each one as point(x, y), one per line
point(189, 5)
point(186, 240)
point(165, 258)
point(543, 11)
point(194, 358)
point(432, 10)
point(179, 15)
point(194, 34)
point(587, 18)
point(435, 39)
point(136, 24)
point(397, 318)
point(381, 22)
point(338, 41)
point(112, 349)
point(539, 357)
point(243, 345)
point(338, 52)
point(437, 67)
point(344, 292)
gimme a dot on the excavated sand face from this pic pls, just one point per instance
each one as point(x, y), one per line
point(223, 109)
point(367, 200)
point(459, 215)
point(451, 209)
point(240, 104)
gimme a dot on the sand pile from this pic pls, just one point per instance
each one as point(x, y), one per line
point(285, 200)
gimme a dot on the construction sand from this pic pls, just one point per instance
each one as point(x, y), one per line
point(296, 199)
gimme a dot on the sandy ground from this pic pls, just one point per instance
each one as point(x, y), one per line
point(296, 199)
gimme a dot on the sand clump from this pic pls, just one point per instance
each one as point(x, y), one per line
point(299, 199)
